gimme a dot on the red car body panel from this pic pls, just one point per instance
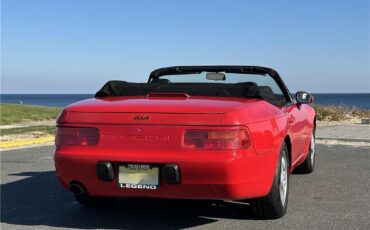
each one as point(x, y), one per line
point(205, 174)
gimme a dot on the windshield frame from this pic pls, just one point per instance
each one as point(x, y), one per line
point(258, 70)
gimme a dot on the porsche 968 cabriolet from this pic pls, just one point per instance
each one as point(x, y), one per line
point(191, 132)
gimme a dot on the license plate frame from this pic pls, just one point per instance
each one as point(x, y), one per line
point(138, 176)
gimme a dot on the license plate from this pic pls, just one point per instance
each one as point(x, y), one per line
point(138, 176)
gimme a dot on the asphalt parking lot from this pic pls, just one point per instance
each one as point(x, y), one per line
point(335, 196)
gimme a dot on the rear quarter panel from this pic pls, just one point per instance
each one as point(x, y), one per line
point(267, 126)
point(266, 123)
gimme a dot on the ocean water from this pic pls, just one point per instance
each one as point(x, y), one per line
point(359, 100)
point(57, 100)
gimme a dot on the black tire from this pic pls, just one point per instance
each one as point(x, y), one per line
point(273, 206)
point(92, 201)
point(308, 165)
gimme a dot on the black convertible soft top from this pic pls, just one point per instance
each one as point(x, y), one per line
point(242, 90)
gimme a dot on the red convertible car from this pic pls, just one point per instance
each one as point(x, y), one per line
point(190, 132)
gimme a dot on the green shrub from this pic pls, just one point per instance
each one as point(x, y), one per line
point(339, 113)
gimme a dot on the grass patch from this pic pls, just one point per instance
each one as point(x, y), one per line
point(42, 129)
point(339, 113)
point(13, 113)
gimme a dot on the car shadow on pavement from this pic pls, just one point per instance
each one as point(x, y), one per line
point(38, 199)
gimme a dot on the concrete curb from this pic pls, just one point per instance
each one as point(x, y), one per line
point(342, 139)
point(30, 124)
point(20, 143)
point(341, 142)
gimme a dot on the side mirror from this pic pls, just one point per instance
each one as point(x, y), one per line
point(304, 98)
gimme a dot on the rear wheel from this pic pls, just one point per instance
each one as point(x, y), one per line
point(275, 204)
point(308, 165)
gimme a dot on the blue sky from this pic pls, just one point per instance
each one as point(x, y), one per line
point(75, 46)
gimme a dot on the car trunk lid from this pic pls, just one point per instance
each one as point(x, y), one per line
point(154, 109)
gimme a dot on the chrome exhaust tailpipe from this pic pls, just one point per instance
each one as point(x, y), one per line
point(77, 189)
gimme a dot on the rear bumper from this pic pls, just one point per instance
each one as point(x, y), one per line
point(229, 175)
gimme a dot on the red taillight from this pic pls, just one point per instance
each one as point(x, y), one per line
point(215, 139)
point(76, 136)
